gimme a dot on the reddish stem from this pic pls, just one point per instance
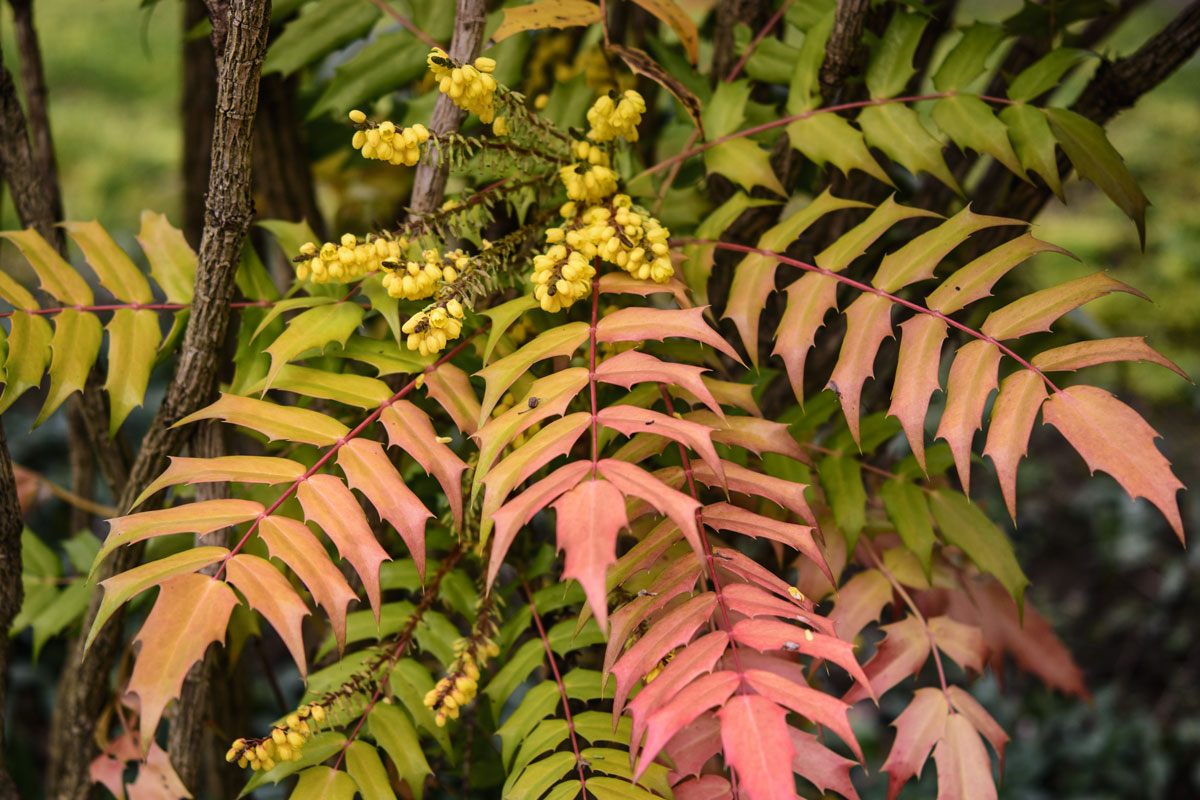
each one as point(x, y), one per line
point(592, 365)
point(737, 68)
point(865, 287)
point(413, 29)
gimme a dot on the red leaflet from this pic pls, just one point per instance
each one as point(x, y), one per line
point(868, 323)
point(963, 643)
point(191, 612)
point(772, 634)
point(1114, 438)
point(589, 518)
point(673, 630)
point(633, 480)
point(754, 733)
point(696, 743)
point(860, 600)
point(1103, 351)
point(694, 660)
point(327, 502)
point(640, 324)
point(699, 696)
point(552, 441)
point(513, 515)
point(972, 378)
point(809, 299)
point(624, 283)
point(451, 388)
point(918, 729)
point(726, 517)
point(270, 594)
point(783, 493)
point(963, 767)
point(821, 766)
point(921, 341)
point(902, 653)
point(749, 570)
point(706, 787)
point(630, 420)
point(679, 577)
point(808, 702)
point(970, 708)
point(626, 369)
point(156, 779)
point(368, 469)
point(203, 517)
point(291, 542)
point(753, 433)
point(410, 429)
point(1013, 414)
point(750, 600)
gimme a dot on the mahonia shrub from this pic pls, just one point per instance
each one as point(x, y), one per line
point(551, 376)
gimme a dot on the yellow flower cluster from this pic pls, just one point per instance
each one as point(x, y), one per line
point(429, 330)
point(588, 183)
point(614, 115)
point(560, 276)
point(458, 688)
point(472, 88)
point(386, 142)
point(632, 240)
point(414, 281)
point(284, 744)
point(349, 260)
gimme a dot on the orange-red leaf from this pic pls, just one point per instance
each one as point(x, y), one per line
point(291, 542)
point(244, 469)
point(632, 366)
point(868, 323)
point(902, 653)
point(859, 601)
point(975, 280)
point(921, 341)
point(727, 517)
point(806, 701)
point(1037, 311)
point(1102, 351)
point(754, 733)
point(750, 570)
point(272, 420)
point(697, 697)
point(1114, 438)
point(191, 612)
point(972, 379)
point(203, 517)
point(783, 493)
point(410, 429)
point(624, 283)
point(756, 434)
point(918, 729)
point(706, 787)
point(156, 778)
point(335, 510)
point(772, 634)
point(630, 420)
point(451, 388)
point(640, 324)
point(368, 469)
point(809, 299)
point(513, 515)
point(270, 594)
point(753, 601)
point(988, 728)
point(633, 480)
point(677, 578)
point(963, 643)
point(963, 767)
point(552, 441)
point(689, 750)
point(821, 766)
point(589, 517)
point(1013, 414)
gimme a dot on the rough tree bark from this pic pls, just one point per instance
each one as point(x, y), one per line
point(11, 591)
point(430, 182)
point(841, 47)
point(84, 687)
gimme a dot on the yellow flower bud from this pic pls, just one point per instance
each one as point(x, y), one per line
point(318, 712)
point(357, 116)
point(231, 756)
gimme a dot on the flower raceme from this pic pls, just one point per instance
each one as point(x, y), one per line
point(471, 87)
point(616, 115)
point(385, 142)
point(348, 260)
point(413, 281)
point(429, 330)
point(284, 743)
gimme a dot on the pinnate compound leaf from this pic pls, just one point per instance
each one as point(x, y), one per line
point(902, 653)
point(908, 510)
point(335, 510)
point(964, 525)
point(270, 594)
point(292, 543)
point(1114, 438)
point(313, 330)
point(274, 421)
point(918, 729)
point(589, 518)
point(896, 130)
point(1013, 414)
point(368, 469)
point(707, 691)
point(1094, 158)
point(640, 324)
point(808, 702)
point(244, 469)
point(55, 276)
point(392, 730)
point(754, 734)
point(203, 517)
point(133, 339)
point(366, 768)
point(868, 323)
point(1037, 311)
point(921, 339)
point(563, 340)
point(324, 783)
point(409, 429)
point(116, 270)
point(191, 612)
point(963, 767)
point(546, 14)
point(631, 367)
point(1102, 351)
point(972, 379)
point(74, 349)
point(122, 587)
point(974, 281)
point(696, 659)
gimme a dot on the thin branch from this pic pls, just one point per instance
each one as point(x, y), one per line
point(407, 24)
point(92, 507)
point(771, 23)
point(11, 589)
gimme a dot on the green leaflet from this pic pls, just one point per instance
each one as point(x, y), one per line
point(319, 29)
point(501, 374)
point(313, 329)
point(1044, 74)
point(385, 355)
point(804, 92)
point(970, 123)
point(547, 736)
point(516, 669)
point(897, 131)
point(616, 762)
point(563, 637)
point(909, 512)
point(324, 783)
point(75, 346)
point(1096, 159)
point(384, 65)
point(291, 304)
point(841, 479)
point(604, 788)
point(172, 261)
point(502, 317)
point(830, 139)
point(116, 271)
point(367, 770)
point(387, 306)
point(540, 776)
point(395, 733)
point(252, 278)
point(409, 682)
point(133, 339)
point(771, 61)
point(55, 275)
point(744, 163)
point(966, 527)
point(343, 387)
point(66, 608)
point(317, 749)
point(891, 65)
point(28, 354)
point(1033, 142)
point(726, 111)
point(290, 235)
point(967, 61)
